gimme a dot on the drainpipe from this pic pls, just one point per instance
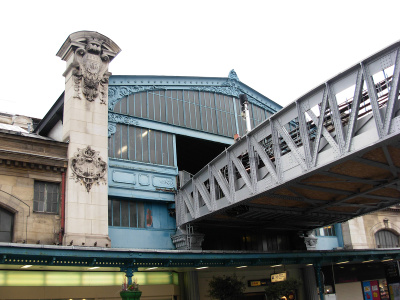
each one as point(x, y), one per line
point(62, 225)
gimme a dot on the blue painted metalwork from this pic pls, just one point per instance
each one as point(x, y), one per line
point(123, 85)
point(141, 180)
point(128, 120)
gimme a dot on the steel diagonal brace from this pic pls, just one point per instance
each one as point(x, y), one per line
point(355, 107)
point(337, 121)
point(231, 174)
point(305, 139)
point(393, 94)
point(319, 122)
point(196, 201)
point(293, 148)
point(204, 194)
point(325, 134)
point(242, 171)
point(373, 98)
point(223, 184)
point(264, 157)
point(187, 198)
point(253, 165)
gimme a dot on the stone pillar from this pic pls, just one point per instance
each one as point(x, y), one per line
point(85, 127)
point(310, 283)
point(354, 235)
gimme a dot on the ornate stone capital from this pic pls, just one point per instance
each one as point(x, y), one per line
point(92, 53)
point(88, 168)
point(187, 239)
point(311, 241)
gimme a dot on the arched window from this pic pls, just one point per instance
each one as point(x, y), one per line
point(386, 239)
point(6, 225)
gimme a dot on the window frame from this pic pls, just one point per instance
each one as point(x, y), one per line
point(47, 207)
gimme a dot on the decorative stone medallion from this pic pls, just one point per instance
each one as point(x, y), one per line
point(88, 168)
point(91, 71)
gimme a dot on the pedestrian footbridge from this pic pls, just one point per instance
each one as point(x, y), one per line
point(330, 156)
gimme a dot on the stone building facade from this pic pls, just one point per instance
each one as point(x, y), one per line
point(29, 164)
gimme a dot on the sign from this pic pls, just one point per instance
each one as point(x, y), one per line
point(278, 277)
point(371, 290)
point(255, 283)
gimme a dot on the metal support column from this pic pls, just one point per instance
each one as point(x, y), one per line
point(319, 281)
point(129, 273)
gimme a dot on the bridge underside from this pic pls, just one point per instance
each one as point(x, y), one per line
point(356, 186)
point(330, 156)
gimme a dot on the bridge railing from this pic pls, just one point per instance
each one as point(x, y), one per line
point(352, 110)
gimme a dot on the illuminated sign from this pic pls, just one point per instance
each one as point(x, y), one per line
point(278, 277)
point(255, 283)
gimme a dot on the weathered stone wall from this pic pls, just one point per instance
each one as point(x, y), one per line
point(24, 159)
point(16, 195)
point(359, 233)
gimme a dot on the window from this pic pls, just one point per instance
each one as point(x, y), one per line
point(141, 144)
point(386, 239)
point(123, 213)
point(6, 225)
point(46, 197)
point(325, 231)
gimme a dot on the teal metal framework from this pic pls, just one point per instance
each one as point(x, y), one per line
point(19, 254)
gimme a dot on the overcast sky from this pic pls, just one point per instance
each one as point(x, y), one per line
point(280, 48)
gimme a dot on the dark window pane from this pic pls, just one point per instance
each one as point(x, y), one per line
point(133, 215)
point(124, 213)
point(159, 149)
point(116, 213)
point(170, 150)
point(138, 106)
point(145, 145)
point(138, 135)
point(110, 212)
point(163, 107)
point(123, 105)
point(132, 140)
point(124, 140)
point(169, 107)
point(157, 106)
point(143, 99)
point(117, 137)
point(141, 219)
point(152, 139)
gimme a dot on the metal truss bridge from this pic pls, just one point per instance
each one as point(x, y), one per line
point(330, 156)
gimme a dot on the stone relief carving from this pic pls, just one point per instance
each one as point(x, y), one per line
point(88, 168)
point(91, 71)
point(311, 241)
point(115, 93)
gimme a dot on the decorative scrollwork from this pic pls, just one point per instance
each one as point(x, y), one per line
point(111, 129)
point(88, 168)
point(116, 118)
point(233, 75)
point(115, 93)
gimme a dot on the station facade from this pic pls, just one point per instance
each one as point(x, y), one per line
point(99, 173)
